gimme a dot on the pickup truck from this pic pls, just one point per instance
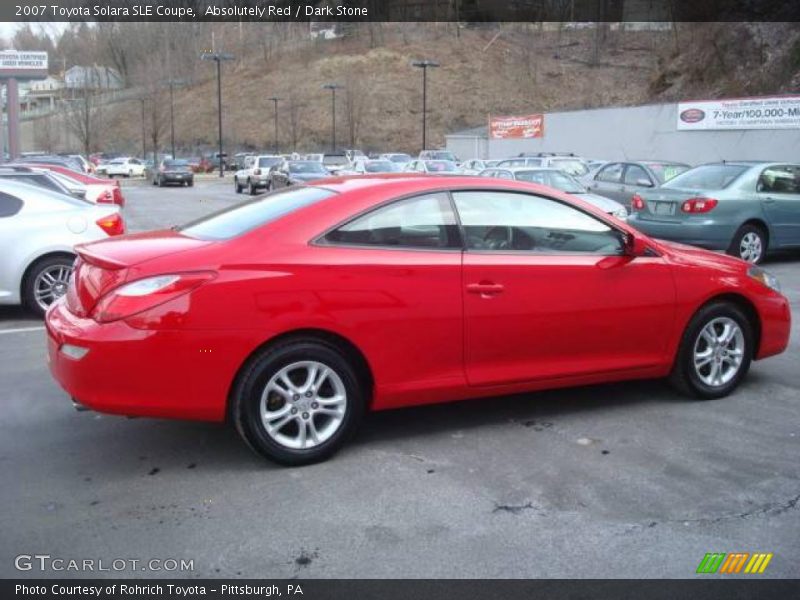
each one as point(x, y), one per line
point(255, 173)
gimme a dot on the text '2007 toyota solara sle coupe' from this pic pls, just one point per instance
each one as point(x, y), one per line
point(293, 314)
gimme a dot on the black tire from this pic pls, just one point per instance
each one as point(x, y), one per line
point(684, 376)
point(251, 188)
point(237, 186)
point(749, 229)
point(28, 284)
point(160, 182)
point(190, 183)
point(246, 399)
point(155, 181)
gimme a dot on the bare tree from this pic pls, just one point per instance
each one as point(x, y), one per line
point(295, 108)
point(84, 112)
point(45, 134)
point(354, 94)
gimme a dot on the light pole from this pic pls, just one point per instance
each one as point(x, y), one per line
point(424, 65)
point(218, 57)
point(144, 133)
point(333, 87)
point(275, 101)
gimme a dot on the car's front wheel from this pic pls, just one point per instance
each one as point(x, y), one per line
point(298, 402)
point(251, 188)
point(236, 185)
point(715, 352)
point(749, 243)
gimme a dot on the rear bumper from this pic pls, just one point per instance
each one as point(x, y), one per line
point(177, 177)
point(705, 233)
point(152, 373)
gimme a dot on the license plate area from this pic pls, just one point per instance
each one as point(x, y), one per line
point(664, 209)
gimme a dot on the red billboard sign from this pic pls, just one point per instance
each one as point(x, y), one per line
point(527, 126)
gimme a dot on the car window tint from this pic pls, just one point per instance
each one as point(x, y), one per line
point(610, 173)
point(420, 222)
point(9, 205)
point(234, 221)
point(781, 179)
point(634, 173)
point(506, 221)
point(707, 177)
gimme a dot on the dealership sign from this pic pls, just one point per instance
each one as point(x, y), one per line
point(528, 126)
point(23, 65)
point(776, 112)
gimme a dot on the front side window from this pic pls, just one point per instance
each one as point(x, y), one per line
point(507, 221)
point(610, 173)
point(635, 174)
point(420, 222)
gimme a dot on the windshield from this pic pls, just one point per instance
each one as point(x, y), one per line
point(556, 179)
point(570, 165)
point(665, 172)
point(380, 166)
point(307, 166)
point(706, 177)
point(235, 221)
point(441, 155)
point(440, 166)
point(400, 158)
point(269, 161)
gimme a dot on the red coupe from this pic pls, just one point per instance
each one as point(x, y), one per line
point(293, 314)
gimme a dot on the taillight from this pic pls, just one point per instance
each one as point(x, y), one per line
point(112, 224)
point(257, 172)
point(106, 197)
point(637, 203)
point(698, 205)
point(144, 294)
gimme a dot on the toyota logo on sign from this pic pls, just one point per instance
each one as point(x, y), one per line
point(692, 115)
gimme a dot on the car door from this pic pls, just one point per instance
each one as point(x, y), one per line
point(608, 182)
point(634, 181)
point(549, 293)
point(400, 265)
point(778, 189)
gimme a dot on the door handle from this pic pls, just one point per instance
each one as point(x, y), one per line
point(485, 288)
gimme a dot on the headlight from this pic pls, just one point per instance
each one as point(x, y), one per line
point(765, 277)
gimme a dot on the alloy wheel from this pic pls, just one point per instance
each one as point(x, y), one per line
point(750, 247)
point(50, 284)
point(303, 405)
point(719, 351)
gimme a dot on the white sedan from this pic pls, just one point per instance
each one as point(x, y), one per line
point(125, 167)
point(38, 231)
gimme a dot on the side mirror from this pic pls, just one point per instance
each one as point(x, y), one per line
point(644, 183)
point(634, 245)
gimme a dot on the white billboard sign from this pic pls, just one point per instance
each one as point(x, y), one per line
point(20, 62)
point(776, 112)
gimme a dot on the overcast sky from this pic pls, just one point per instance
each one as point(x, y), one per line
point(7, 29)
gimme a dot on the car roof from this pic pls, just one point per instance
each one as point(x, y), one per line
point(524, 168)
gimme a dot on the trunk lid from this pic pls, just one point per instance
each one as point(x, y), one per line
point(665, 204)
point(104, 265)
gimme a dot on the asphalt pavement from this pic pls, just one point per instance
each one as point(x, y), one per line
point(619, 481)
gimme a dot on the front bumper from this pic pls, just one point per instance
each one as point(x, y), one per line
point(152, 373)
point(701, 232)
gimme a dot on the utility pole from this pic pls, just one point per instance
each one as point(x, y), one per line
point(424, 65)
point(275, 101)
point(333, 87)
point(218, 57)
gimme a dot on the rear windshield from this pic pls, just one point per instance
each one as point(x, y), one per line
point(665, 172)
point(176, 163)
point(570, 165)
point(706, 177)
point(235, 221)
point(334, 159)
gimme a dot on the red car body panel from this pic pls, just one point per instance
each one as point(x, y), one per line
point(112, 186)
point(426, 332)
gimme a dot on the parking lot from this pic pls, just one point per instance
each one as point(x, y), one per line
point(624, 480)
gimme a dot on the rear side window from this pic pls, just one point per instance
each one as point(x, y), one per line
point(235, 221)
point(634, 174)
point(420, 222)
point(610, 173)
point(783, 179)
point(9, 205)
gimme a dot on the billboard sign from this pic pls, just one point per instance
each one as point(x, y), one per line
point(774, 112)
point(22, 64)
point(527, 126)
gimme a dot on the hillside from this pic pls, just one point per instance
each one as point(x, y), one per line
point(499, 69)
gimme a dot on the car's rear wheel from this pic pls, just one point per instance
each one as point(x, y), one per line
point(45, 282)
point(715, 352)
point(749, 243)
point(298, 402)
point(252, 188)
point(237, 186)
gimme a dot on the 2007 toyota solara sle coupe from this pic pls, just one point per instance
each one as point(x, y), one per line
point(293, 314)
